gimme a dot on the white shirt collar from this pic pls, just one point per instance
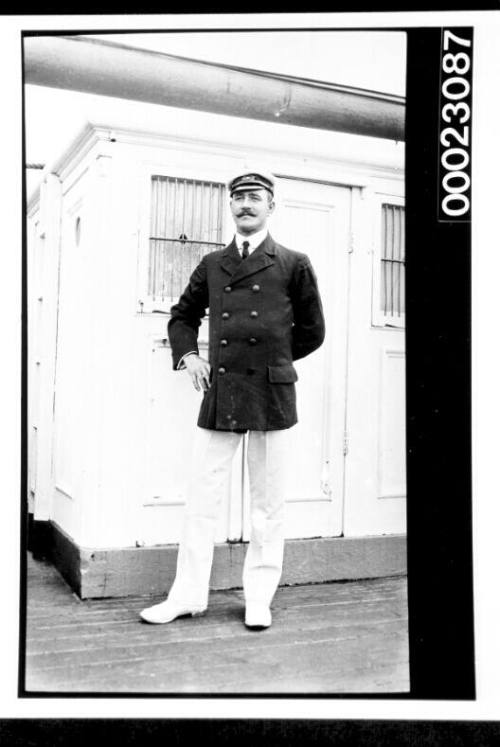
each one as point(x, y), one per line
point(254, 240)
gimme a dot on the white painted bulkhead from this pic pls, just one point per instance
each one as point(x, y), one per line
point(123, 420)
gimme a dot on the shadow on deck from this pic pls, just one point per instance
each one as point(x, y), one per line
point(336, 638)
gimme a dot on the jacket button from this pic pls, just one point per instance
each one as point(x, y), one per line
point(225, 314)
point(228, 289)
point(256, 288)
point(222, 370)
point(252, 341)
point(223, 342)
point(254, 314)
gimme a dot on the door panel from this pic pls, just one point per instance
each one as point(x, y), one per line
point(314, 218)
point(36, 269)
point(375, 479)
point(170, 415)
point(73, 345)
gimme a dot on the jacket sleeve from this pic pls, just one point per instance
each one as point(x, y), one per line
point(308, 331)
point(186, 315)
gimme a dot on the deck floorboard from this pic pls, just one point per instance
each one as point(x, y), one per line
point(333, 638)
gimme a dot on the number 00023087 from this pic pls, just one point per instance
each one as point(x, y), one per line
point(455, 139)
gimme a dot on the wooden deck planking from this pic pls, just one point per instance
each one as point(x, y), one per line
point(89, 620)
point(185, 630)
point(240, 674)
point(190, 649)
point(338, 638)
point(175, 644)
point(234, 669)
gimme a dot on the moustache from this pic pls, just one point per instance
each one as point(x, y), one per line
point(245, 212)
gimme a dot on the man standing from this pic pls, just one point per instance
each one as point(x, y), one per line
point(265, 312)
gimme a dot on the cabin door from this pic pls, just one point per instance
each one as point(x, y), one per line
point(375, 478)
point(314, 218)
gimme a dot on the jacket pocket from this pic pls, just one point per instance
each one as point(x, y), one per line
point(282, 374)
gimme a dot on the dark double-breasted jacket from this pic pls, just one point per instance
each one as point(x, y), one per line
point(264, 313)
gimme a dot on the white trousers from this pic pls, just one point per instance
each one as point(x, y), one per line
point(213, 455)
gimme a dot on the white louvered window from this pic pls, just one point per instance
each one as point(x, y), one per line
point(186, 223)
point(392, 287)
point(389, 267)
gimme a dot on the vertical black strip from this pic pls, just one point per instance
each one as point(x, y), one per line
point(438, 403)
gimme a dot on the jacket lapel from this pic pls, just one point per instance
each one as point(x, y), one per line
point(230, 258)
point(259, 259)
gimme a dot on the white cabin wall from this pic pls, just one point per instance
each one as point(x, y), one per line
point(82, 386)
point(34, 395)
point(73, 405)
point(43, 275)
point(119, 357)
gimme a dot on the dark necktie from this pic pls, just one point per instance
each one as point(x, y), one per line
point(244, 253)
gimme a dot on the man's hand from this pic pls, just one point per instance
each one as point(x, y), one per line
point(199, 370)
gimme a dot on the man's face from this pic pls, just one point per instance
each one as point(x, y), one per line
point(251, 209)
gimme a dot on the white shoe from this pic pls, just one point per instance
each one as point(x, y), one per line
point(257, 615)
point(167, 611)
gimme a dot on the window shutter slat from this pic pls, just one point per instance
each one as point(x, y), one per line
point(392, 270)
point(185, 223)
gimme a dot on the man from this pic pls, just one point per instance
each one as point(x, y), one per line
point(265, 312)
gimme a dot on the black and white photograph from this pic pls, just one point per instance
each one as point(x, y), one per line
point(216, 408)
point(250, 417)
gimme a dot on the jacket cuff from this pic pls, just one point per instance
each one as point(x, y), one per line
point(181, 363)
